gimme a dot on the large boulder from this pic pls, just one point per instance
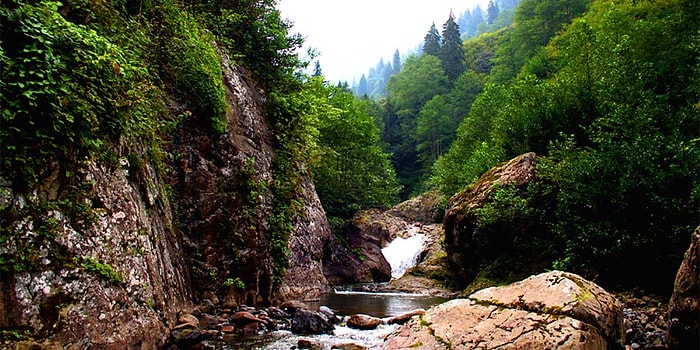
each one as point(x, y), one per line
point(468, 246)
point(357, 256)
point(684, 321)
point(554, 310)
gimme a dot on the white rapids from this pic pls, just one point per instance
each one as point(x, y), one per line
point(404, 253)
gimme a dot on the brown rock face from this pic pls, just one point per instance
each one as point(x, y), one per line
point(468, 247)
point(684, 309)
point(520, 316)
point(67, 301)
point(223, 187)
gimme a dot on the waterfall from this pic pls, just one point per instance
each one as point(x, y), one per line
point(403, 253)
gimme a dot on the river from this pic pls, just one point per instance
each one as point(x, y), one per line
point(402, 254)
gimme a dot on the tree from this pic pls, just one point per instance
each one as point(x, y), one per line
point(396, 63)
point(492, 11)
point(362, 87)
point(421, 78)
point(451, 53)
point(317, 69)
point(431, 44)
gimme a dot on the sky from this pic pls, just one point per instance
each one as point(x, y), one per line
point(350, 36)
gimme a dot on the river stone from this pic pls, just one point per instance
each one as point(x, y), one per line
point(306, 322)
point(540, 312)
point(401, 319)
point(243, 318)
point(363, 322)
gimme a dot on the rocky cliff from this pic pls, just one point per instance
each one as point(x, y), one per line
point(148, 244)
point(113, 280)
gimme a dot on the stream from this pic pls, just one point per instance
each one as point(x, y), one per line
point(402, 254)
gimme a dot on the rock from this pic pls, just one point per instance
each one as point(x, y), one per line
point(186, 337)
point(188, 319)
point(363, 322)
point(306, 322)
point(290, 306)
point(228, 328)
point(329, 314)
point(424, 208)
point(684, 322)
point(403, 318)
point(538, 313)
point(348, 346)
point(277, 313)
point(207, 321)
point(308, 344)
point(467, 247)
point(242, 319)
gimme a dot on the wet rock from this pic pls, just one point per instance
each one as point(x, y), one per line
point(306, 322)
point(363, 322)
point(684, 307)
point(403, 318)
point(228, 328)
point(538, 313)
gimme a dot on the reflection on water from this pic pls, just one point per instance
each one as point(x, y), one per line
point(347, 303)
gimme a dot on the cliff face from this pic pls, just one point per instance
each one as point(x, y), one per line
point(116, 280)
point(153, 249)
point(223, 190)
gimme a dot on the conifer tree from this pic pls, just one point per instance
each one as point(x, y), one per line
point(451, 54)
point(362, 87)
point(396, 63)
point(492, 11)
point(431, 45)
point(317, 69)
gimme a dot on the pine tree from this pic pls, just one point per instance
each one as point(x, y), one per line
point(451, 54)
point(492, 11)
point(362, 87)
point(396, 63)
point(431, 45)
point(317, 69)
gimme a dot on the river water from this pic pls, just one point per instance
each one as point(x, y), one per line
point(344, 302)
point(402, 254)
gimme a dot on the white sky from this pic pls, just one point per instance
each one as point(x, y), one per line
point(351, 36)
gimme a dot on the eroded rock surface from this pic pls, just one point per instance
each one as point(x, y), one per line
point(555, 310)
point(684, 308)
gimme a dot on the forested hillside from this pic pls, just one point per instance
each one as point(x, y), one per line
point(605, 92)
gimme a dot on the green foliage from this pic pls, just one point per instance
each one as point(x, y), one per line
point(194, 66)
point(451, 53)
point(353, 172)
point(237, 282)
point(103, 270)
point(70, 91)
point(611, 107)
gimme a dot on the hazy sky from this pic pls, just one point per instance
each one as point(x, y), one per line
point(352, 35)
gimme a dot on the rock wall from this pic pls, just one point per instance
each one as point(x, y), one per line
point(154, 249)
point(684, 308)
point(115, 281)
point(223, 189)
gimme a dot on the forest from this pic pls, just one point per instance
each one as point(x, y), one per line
point(606, 92)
